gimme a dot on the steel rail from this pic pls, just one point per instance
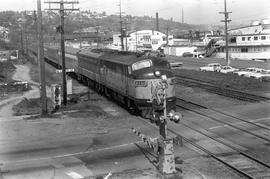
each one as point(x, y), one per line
point(225, 114)
point(228, 145)
point(231, 125)
point(242, 173)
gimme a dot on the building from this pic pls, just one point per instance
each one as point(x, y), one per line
point(250, 42)
point(143, 40)
point(4, 33)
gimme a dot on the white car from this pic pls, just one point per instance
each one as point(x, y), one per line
point(256, 71)
point(262, 75)
point(211, 67)
point(228, 69)
point(245, 71)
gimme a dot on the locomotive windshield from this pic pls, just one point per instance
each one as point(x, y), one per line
point(141, 64)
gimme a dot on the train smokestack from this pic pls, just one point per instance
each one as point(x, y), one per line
point(157, 26)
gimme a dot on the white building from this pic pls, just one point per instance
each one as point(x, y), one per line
point(250, 42)
point(143, 39)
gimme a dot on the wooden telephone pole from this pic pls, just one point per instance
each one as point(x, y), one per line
point(121, 26)
point(62, 42)
point(41, 60)
point(226, 20)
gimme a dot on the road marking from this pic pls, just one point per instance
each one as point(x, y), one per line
point(70, 155)
point(74, 175)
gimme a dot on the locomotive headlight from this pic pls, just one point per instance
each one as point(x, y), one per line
point(175, 116)
point(157, 73)
point(164, 77)
point(170, 114)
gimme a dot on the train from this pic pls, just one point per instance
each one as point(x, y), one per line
point(127, 77)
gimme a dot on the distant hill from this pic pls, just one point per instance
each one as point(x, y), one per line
point(108, 24)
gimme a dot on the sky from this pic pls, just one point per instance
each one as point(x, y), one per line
point(195, 11)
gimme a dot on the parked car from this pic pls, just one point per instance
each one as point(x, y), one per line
point(256, 71)
point(243, 72)
point(264, 75)
point(211, 67)
point(228, 69)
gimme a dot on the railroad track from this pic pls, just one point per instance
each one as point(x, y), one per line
point(244, 96)
point(240, 162)
point(214, 114)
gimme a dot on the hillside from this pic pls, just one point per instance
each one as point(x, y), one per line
point(107, 24)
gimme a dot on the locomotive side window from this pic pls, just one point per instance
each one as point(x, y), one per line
point(141, 64)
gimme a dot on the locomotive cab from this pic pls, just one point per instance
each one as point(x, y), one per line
point(146, 75)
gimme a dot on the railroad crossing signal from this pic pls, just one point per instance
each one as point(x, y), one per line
point(166, 151)
point(164, 145)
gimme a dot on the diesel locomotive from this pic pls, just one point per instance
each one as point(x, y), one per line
point(129, 78)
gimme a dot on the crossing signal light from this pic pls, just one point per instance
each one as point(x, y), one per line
point(175, 116)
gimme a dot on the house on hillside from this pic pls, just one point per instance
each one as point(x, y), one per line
point(4, 33)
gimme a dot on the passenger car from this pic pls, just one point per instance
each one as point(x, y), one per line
point(255, 72)
point(227, 69)
point(211, 67)
point(246, 71)
point(263, 75)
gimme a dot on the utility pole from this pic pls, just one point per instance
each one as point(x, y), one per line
point(62, 41)
point(22, 40)
point(136, 41)
point(126, 35)
point(35, 20)
point(157, 24)
point(182, 15)
point(167, 33)
point(121, 26)
point(26, 42)
point(161, 116)
point(41, 61)
point(80, 33)
point(226, 20)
